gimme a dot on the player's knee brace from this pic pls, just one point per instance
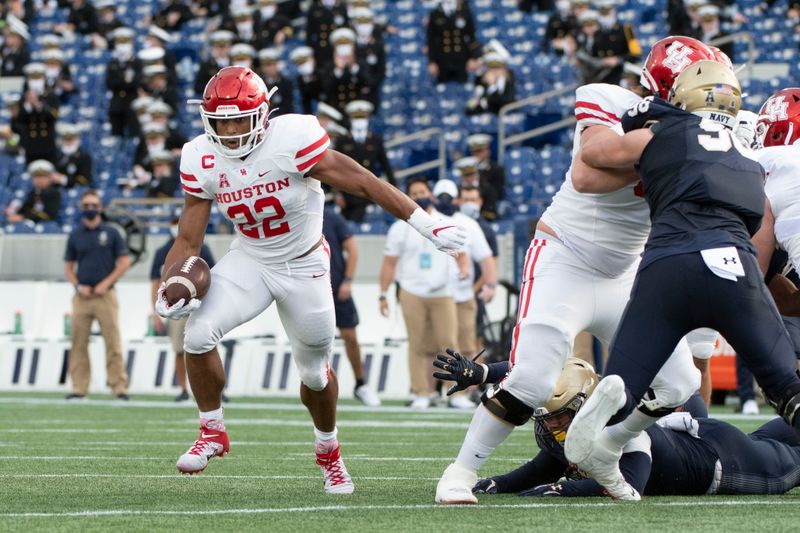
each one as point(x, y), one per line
point(505, 406)
point(653, 406)
point(199, 338)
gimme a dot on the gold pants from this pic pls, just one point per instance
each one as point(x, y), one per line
point(84, 311)
point(466, 313)
point(431, 327)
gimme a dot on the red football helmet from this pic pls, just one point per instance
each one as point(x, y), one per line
point(235, 92)
point(668, 58)
point(721, 57)
point(779, 118)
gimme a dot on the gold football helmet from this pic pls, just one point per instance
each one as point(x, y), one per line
point(708, 89)
point(575, 384)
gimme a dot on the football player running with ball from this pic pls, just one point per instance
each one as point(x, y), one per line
point(265, 176)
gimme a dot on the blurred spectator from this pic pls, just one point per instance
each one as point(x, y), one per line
point(324, 17)
point(344, 258)
point(21, 9)
point(9, 138)
point(495, 88)
point(453, 47)
point(602, 50)
point(159, 113)
point(158, 38)
point(164, 180)
point(709, 26)
point(678, 18)
point(327, 115)
point(140, 109)
point(174, 328)
point(308, 81)
point(243, 55)
point(541, 5)
point(107, 19)
point(101, 255)
point(156, 84)
point(14, 54)
point(337, 134)
point(467, 169)
point(43, 201)
point(423, 274)
point(50, 41)
point(366, 148)
point(241, 23)
point(370, 49)
point(155, 141)
point(561, 29)
point(173, 15)
point(344, 80)
point(37, 116)
point(208, 8)
point(492, 174)
point(58, 77)
point(82, 19)
point(157, 56)
point(221, 41)
point(73, 164)
point(282, 101)
point(121, 81)
point(290, 9)
point(272, 27)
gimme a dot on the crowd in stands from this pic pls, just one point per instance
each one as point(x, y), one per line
point(327, 57)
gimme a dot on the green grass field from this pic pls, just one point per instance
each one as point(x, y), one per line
point(103, 465)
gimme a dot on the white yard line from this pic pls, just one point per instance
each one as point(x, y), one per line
point(692, 502)
point(210, 476)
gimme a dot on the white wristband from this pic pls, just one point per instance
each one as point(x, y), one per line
point(421, 221)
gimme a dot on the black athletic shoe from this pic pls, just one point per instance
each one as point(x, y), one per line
point(183, 396)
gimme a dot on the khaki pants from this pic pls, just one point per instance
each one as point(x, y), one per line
point(467, 313)
point(84, 311)
point(431, 326)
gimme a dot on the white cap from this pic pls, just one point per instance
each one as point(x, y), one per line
point(269, 55)
point(329, 111)
point(154, 70)
point(479, 139)
point(162, 156)
point(41, 166)
point(362, 13)
point(694, 3)
point(18, 27)
point(343, 35)
point(241, 11)
point(103, 4)
point(65, 129)
point(122, 34)
point(157, 107)
point(152, 128)
point(141, 103)
point(446, 187)
point(467, 165)
point(36, 68)
point(50, 40)
point(590, 15)
point(631, 69)
point(154, 53)
point(605, 4)
point(336, 129)
point(493, 59)
point(222, 36)
point(53, 54)
point(708, 11)
point(160, 34)
point(301, 54)
point(243, 50)
point(359, 108)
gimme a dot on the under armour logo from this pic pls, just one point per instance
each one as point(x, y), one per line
point(223, 181)
point(776, 109)
point(731, 260)
point(677, 57)
point(468, 372)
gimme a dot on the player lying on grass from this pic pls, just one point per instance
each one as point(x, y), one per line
point(681, 455)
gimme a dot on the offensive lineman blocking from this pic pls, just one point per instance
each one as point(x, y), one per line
point(265, 177)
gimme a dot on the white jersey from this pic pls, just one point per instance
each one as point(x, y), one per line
point(607, 231)
point(274, 206)
point(782, 167)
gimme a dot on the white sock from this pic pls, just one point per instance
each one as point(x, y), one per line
point(630, 428)
point(216, 414)
point(213, 419)
point(486, 432)
point(325, 436)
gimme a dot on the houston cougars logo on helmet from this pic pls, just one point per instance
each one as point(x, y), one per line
point(779, 118)
point(669, 57)
point(233, 93)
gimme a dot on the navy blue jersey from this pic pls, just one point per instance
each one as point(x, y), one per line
point(703, 192)
point(336, 231)
point(95, 251)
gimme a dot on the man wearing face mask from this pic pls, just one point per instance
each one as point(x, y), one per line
point(58, 77)
point(221, 41)
point(308, 81)
point(157, 39)
point(155, 139)
point(345, 80)
point(43, 201)
point(101, 256)
point(14, 53)
point(453, 47)
point(492, 174)
point(481, 260)
point(164, 179)
point(561, 29)
point(272, 27)
point(159, 114)
point(173, 328)
point(366, 148)
point(370, 49)
point(495, 88)
point(468, 169)
point(324, 17)
point(107, 20)
point(269, 67)
point(614, 43)
point(710, 30)
point(242, 55)
point(157, 85)
point(241, 23)
point(74, 166)
point(35, 122)
point(121, 81)
point(173, 15)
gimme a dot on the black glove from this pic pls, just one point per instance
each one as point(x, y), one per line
point(459, 369)
point(486, 486)
point(550, 489)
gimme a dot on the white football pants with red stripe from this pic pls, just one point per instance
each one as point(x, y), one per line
point(561, 296)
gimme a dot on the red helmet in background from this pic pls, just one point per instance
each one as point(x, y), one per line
point(721, 57)
point(235, 92)
point(668, 58)
point(779, 118)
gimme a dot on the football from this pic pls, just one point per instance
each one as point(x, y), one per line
point(187, 278)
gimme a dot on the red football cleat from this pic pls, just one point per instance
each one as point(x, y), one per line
point(334, 473)
point(211, 443)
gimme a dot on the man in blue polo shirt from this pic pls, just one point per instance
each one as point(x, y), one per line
point(340, 240)
point(101, 256)
point(174, 328)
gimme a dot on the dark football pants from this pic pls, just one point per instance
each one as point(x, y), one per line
point(677, 294)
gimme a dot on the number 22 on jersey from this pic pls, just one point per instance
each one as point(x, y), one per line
point(256, 223)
